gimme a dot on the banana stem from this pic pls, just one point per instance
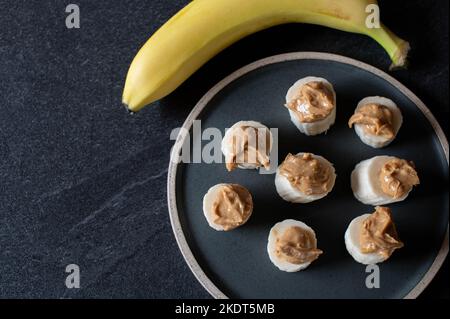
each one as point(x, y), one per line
point(396, 47)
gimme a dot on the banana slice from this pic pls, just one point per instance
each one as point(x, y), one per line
point(311, 102)
point(383, 180)
point(385, 128)
point(372, 238)
point(244, 145)
point(352, 244)
point(304, 178)
point(227, 206)
point(292, 245)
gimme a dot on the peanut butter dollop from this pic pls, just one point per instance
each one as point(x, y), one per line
point(307, 174)
point(247, 147)
point(313, 102)
point(397, 177)
point(378, 233)
point(232, 207)
point(376, 119)
point(297, 246)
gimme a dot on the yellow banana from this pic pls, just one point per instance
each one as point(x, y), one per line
point(205, 27)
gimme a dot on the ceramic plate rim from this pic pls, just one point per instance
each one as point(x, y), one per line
point(198, 272)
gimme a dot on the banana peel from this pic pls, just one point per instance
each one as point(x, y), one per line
point(205, 27)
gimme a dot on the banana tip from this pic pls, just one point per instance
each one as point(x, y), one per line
point(401, 57)
point(125, 105)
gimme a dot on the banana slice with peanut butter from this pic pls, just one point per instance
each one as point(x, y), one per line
point(227, 206)
point(383, 180)
point(311, 102)
point(376, 120)
point(372, 238)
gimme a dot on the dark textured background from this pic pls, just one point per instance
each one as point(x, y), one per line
point(83, 182)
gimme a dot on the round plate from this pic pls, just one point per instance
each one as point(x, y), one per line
point(235, 264)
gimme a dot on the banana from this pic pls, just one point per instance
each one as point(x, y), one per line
point(205, 27)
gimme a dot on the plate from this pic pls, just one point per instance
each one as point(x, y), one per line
point(235, 264)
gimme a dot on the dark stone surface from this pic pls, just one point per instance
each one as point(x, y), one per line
point(82, 181)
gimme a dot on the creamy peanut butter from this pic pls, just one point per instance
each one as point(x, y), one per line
point(376, 119)
point(313, 102)
point(307, 174)
point(397, 177)
point(378, 233)
point(248, 148)
point(297, 245)
point(232, 207)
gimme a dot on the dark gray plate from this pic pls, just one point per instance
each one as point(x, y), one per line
point(235, 264)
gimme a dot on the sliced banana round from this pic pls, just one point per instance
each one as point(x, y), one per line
point(247, 145)
point(227, 206)
point(372, 238)
point(353, 246)
point(382, 180)
point(377, 121)
point(311, 102)
point(292, 245)
point(304, 178)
